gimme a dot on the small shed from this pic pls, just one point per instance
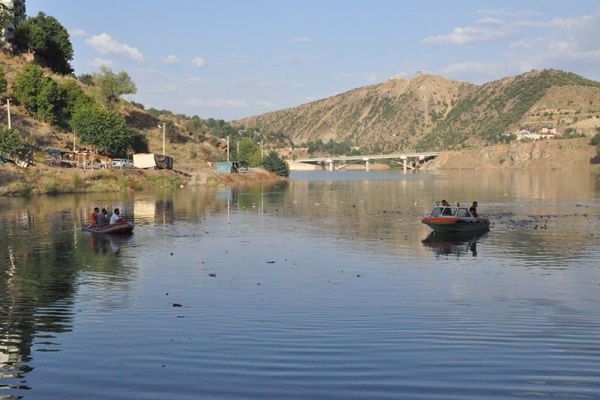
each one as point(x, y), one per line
point(152, 161)
point(226, 167)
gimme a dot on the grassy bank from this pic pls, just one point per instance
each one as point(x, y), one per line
point(16, 181)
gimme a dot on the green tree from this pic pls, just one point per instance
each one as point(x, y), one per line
point(250, 152)
point(3, 81)
point(275, 164)
point(10, 141)
point(112, 86)
point(47, 38)
point(102, 128)
point(40, 94)
point(75, 97)
point(596, 139)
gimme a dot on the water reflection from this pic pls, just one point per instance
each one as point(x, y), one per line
point(454, 243)
point(42, 254)
point(100, 243)
point(293, 274)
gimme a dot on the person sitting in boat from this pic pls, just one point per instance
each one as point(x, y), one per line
point(94, 217)
point(446, 210)
point(115, 217)
point(473, 210)
point(102, 217)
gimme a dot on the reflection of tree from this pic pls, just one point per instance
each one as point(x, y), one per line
point(41, 258)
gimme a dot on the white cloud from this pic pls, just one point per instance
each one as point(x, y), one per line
point(489, 21)
point(217, 102)
point(105, 44)
point(194, 80)
point(265, 103)
point(526, 43)
point(199, 62)
point(506, 13)
point(358, 77)
point(467, 35)
point(101, 62)
point(171, 59)
point(236, 59)
point(296, 58)
point(479, 72)
point(300, 39)
point(78, 33)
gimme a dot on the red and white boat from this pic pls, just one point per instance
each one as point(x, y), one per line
point(454, 219)
point(120, 227)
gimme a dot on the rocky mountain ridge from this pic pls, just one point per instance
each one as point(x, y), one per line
point(433, 112)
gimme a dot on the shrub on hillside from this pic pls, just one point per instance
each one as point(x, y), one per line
point(40, 94)
point(75, 97)
point(102, 128)
point(275, 164)
point(595, 140)
point(10, 142)
point(48, 39)
point(3, 81)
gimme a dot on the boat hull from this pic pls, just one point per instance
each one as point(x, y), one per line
point(122, 228)
point(457, 224)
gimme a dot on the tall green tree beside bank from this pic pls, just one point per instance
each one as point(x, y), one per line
point(102, 128)
point(48, 39)
point(249, 152)
point(275, 164)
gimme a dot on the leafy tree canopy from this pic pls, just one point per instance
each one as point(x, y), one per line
point(102, 128)
point(10, 141)
point(112, 86)
point(249, 152)
point(275, 164)
point(40, 94)
point(49, 39)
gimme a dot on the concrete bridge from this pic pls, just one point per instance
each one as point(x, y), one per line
point(332, 163)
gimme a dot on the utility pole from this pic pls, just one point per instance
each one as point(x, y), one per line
point(8, 111)
point(227, 148)
point(164, 127)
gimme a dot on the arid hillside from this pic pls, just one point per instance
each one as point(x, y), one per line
point(432, 112)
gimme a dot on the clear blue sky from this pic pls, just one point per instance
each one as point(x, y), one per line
point(230, 59)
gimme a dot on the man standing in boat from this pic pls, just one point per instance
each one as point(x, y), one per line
point(473, 210)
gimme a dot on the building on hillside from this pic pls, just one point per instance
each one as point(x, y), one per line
point(549, 130)
point(12, 12)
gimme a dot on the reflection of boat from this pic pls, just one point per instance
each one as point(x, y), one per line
point(121, 227)
point(454, 219)
point(446, 243)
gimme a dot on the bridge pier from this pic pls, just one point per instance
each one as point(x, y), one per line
point(367, 164)
point(404, 164)
point(330, 164)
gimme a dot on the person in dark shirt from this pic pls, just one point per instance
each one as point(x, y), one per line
point(473, 210)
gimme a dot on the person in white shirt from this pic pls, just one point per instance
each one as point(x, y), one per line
point(115, 217)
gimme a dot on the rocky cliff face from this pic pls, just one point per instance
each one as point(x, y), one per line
point(545, 154)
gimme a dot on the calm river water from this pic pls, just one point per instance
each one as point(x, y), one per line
point(323, 287)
